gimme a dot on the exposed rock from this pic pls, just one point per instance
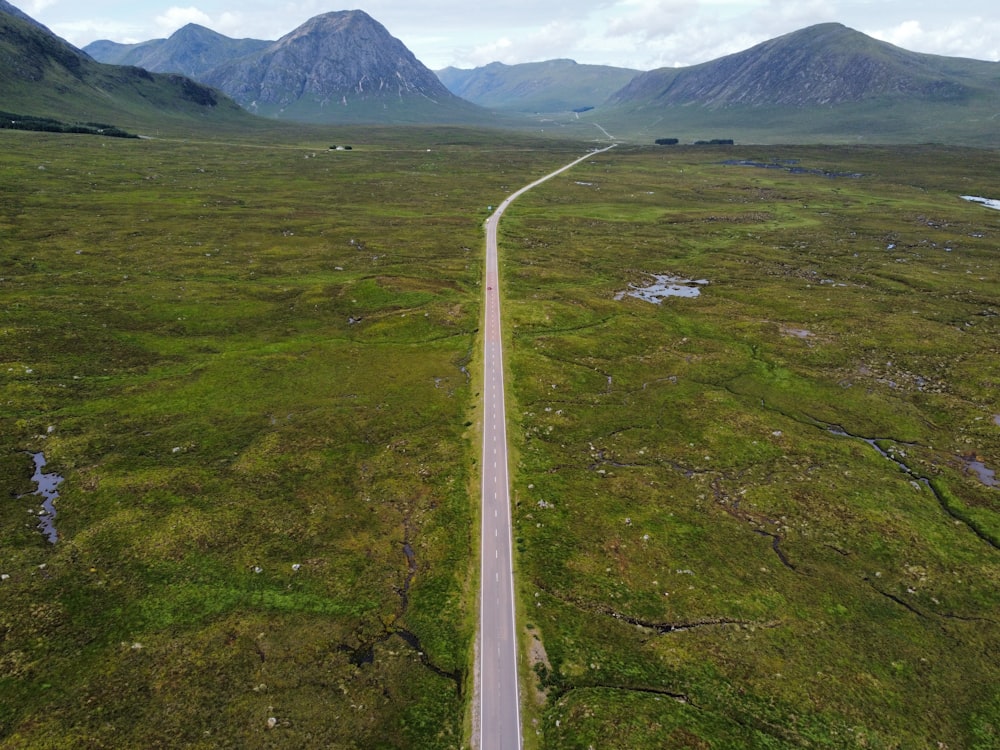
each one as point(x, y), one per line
point(335, 58)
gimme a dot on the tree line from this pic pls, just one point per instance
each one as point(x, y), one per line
point(10, 121)
point(713, 142)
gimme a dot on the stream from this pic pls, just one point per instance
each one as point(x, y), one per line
point(365, 652)
point(47, 490)
point(986, 477)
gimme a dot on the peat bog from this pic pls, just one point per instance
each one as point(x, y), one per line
point(251, 364)
point(704, 562)
point(259, 364)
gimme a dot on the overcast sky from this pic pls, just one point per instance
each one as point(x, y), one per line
point(642, 34)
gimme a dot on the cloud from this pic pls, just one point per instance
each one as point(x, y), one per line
point(672, 33)
point(641, 34)
point(651, 19)
point(230, 23)
point(83, 32)
point(555, 39)
point(967, 37)
point(35, 7)
point(174, 18)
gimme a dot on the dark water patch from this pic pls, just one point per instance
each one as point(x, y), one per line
point(791, 166)
point(414, 642)
point(364, 653)
point(776, 546)
point(901, 602)
point(47, 484)
point(662, 628)
point(659, 692)
point(986, 475)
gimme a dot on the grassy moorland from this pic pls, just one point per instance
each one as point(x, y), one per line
point(712, 552)
point(254, 364)
point(251, 365)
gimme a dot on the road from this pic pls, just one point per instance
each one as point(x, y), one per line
point(497, 700)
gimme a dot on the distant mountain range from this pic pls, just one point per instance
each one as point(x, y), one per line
point(191, 51)
point(550, 86)
point(822, 83)
point(341, 66)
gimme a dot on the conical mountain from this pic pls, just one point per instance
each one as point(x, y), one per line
point(337, 66)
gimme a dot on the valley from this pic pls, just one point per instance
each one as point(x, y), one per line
point(736, 423)
point(256, 369)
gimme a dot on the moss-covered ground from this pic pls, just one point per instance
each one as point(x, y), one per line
point(252, 364)
point(746, 519)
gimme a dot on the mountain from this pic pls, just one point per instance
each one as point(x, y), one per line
point(42, 75)
point(822, 65)
point(336, 67)
point(550, 86)
point(115, 53)
point(9, 9)
point(825, 83)
point(191, 51)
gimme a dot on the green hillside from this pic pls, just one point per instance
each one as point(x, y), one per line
point(44, 76)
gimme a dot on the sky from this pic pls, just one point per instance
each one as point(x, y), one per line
point(639, 34)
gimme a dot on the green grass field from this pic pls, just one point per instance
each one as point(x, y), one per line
point(704, 562)
point(255, 363)
point(242, 357)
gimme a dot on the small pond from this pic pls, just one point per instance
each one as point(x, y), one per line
point(664, 286)
point(986, 475)
point(988, 202)
point(48, 490)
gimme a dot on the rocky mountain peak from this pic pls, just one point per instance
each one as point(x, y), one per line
point(335, 58)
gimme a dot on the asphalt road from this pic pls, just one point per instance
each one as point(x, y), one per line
point(497, 687)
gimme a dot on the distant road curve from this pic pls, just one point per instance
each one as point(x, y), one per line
point(497, 713)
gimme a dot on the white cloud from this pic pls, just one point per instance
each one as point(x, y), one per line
point(967, 37)
point(37, 6)
point(174, 18)
point(650, 19)
point(641, 34)
point(231, 23)
point(556, 39)
point(83, 32)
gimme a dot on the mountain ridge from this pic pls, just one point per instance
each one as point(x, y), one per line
point(43, 75)
point(192, 51)
point(823, 81)
point(545, 86)
point(822, 65)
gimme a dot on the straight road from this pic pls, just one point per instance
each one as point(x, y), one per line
point(497, 696)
